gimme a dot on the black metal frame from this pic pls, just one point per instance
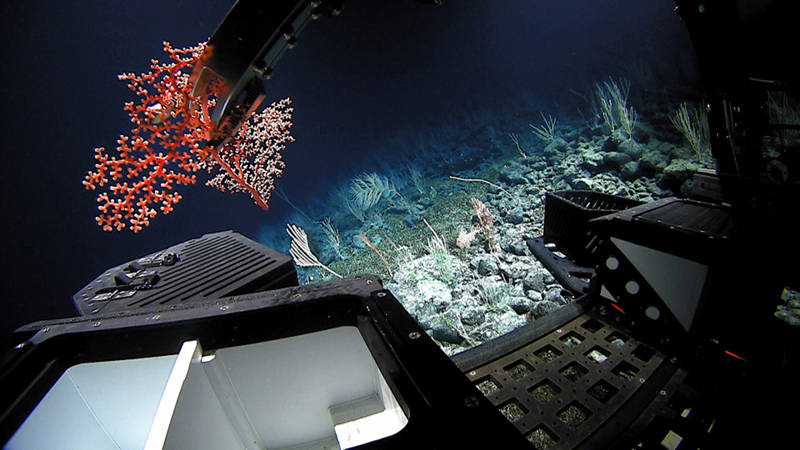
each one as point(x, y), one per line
point(432, 391)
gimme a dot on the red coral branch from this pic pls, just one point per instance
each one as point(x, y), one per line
point(167, 145)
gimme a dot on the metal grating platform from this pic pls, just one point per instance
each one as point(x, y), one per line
point(564, 387)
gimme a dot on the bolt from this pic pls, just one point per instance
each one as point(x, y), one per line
point(662, 393)
point(642, 380)
point(224, 308)
point(97, 324)
point(155, 317)
point(381, 294)
point(558, 330)
point(414, 335)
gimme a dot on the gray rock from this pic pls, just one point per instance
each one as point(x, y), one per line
point(543, 308)
point(582, 183)
point(534, 296)
point(556, 146)
point(652, 162)
point(515, 247)
point(592, 161)
point(484, 264)
point(520, 305)
point(615, 160)
point(534, 281)
point(441, 331)
point(514, 270)
point(515, 216)
point(678, 171)
point(611, 144)
point(554, 296)
point(629, 171)
point(631, 148)
point(513, 175)
point(473, 317)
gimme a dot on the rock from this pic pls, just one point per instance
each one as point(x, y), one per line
point(556, 146)
point(520, 305)
point(554, 296)
point(484, 264)
point(515, 247)
point(508, 322)
point(629, 171)
point(543, 308)
point(534, 296)
point(534, 281)
point(514, 270)
point(652, 162)
point(533, 190)
point(582, 184)
point(631, 148)
point(678, 171)
point(513, 175)
point(536, 163)
point(593, 161)
point(515, 216)
point(443, 332)
point(611, 144)
point(473, 317)
point(615, 160)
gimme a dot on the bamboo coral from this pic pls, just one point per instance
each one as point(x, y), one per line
point(168, 144)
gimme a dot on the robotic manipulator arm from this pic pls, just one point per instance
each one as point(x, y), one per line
point(243, 51)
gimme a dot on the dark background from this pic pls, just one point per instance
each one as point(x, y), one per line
point(378, 71)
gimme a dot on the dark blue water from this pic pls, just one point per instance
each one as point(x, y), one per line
point(384, 86)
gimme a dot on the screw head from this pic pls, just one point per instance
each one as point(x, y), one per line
point(414, 335)
point(381, 294)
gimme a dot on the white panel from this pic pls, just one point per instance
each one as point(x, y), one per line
point(124, 395)
point(367, 428)
point(230, 402)
point(119, 398)
point(190, 351)
point(199, 421)
point(287, 385)
point(61, 420)
point(678, 281)
point(278, 393)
